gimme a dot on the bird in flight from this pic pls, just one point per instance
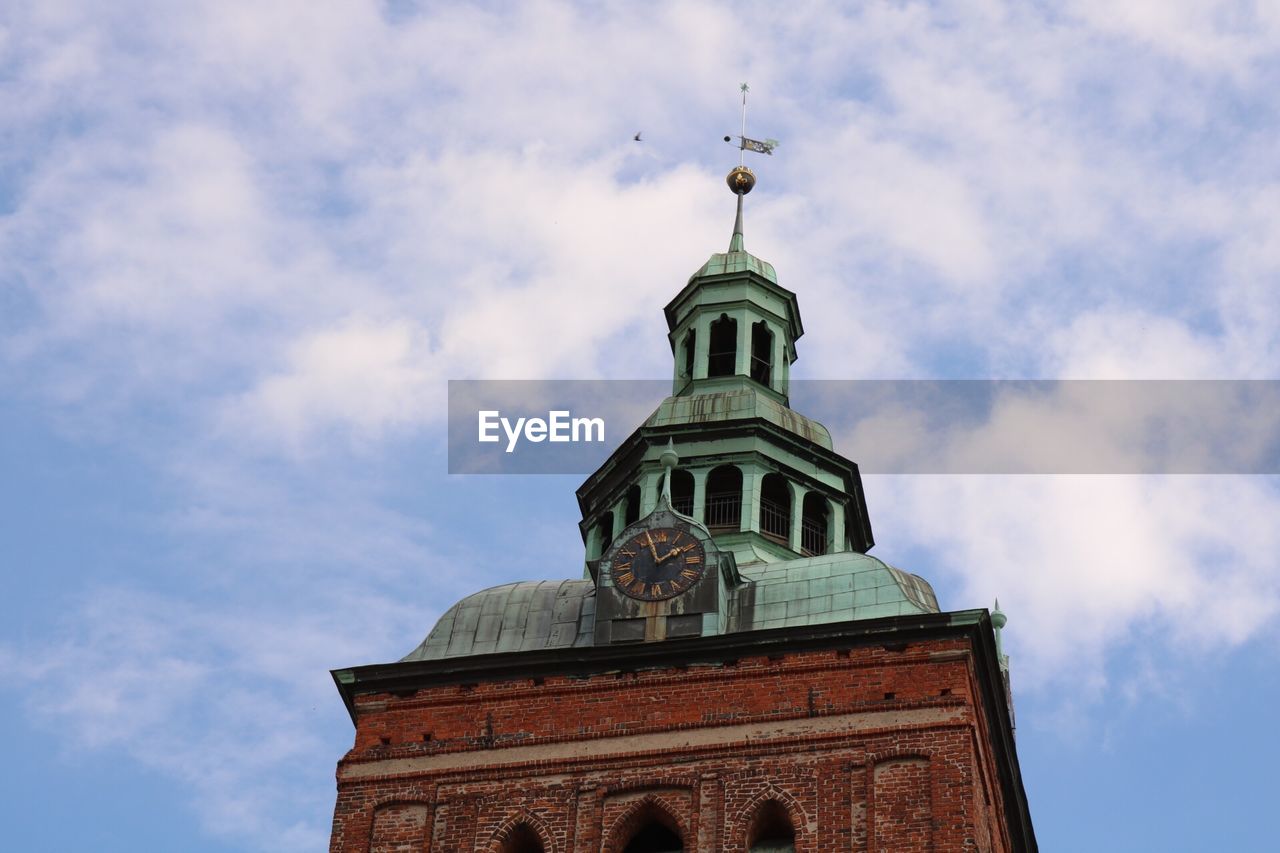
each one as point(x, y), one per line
point(637, 136)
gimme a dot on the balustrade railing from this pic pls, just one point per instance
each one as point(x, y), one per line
point(721, 363)
point(724, 511)
point(813, 537)
point(775, 521)
point(760, 369)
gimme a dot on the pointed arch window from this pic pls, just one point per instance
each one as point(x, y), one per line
point(522, 840)
point(723, 357)
point(815, 525)
point(689, 348)
point(771, 830)
point(655, 837)
point(632, 513)
point(723, 511)
point(775, 508)
point(761, 353)
point(682, 492)
point(604, 533)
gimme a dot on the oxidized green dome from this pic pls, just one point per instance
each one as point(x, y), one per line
point(532, 615)
point(744, 403)
point(725, 263)
point(514, 617)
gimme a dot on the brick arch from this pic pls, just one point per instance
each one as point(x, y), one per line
point(892, 754)
point(399, 823)
point(896, 821)
point(408, 797)
point(795, 812)
point(513, 823)
point(647, 808)
point(686, 782)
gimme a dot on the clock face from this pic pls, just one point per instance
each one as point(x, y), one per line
point(658, 563)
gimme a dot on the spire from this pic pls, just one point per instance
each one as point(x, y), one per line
point(736, 243)
point(741, 179)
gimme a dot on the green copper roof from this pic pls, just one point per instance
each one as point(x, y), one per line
point(832, 588)
point(534, 615)
point(514, 617)
point(739, 404)
point(724, 263)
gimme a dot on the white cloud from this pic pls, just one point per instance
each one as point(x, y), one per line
point(221, 698)
point(365, 375)
point(253, 226)
point(1082, 564)
point(1128, 344)
point(1226, 36)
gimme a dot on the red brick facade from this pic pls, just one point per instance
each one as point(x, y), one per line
point(861, 745)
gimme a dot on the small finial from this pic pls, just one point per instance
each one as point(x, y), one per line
point(669, 458)
point(741, 181)
point(998, 621)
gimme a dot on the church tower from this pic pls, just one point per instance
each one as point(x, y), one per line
point(732, 672)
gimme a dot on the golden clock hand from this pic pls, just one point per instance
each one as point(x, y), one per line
point(652, 550)
point(674, 551)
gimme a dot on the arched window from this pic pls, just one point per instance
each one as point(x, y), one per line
point(522, 840)
point(604, 533)
point(655, 837)
point(682, 492)
point(815, 525)
point(648, 827)
point(723, 358)
point(690, 341)
point(724, 499)
point(775, 508)
point(771, 830)
point(761, 352)
point(633, 505)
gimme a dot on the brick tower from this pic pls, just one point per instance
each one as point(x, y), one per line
point(732, 673)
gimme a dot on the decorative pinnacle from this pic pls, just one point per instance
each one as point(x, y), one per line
point(669, 458)
point(998, 621)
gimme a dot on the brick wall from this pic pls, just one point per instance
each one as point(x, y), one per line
point(869, 748)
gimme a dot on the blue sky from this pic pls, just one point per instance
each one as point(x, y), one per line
point(243, 245)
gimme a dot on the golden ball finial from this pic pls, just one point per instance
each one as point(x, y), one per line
point(741, 180)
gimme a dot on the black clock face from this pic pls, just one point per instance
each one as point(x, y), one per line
point(658, 563)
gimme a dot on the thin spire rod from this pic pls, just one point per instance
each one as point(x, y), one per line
point(742, 148)
point(736, 243)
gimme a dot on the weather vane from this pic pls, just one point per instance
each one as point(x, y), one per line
point(745, 143)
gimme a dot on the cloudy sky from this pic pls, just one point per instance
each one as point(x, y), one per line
point(244, 244)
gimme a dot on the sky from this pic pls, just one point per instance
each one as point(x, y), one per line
point(245, 244)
